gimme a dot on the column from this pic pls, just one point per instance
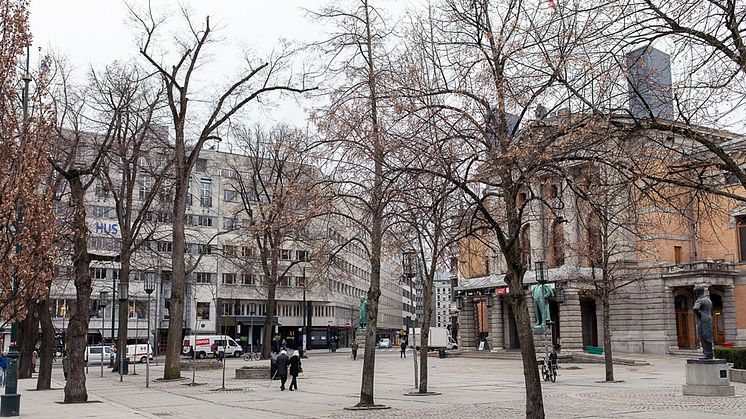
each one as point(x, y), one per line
point(729, 313)
point(466, 326)
point(571, 327)
point(496, 324)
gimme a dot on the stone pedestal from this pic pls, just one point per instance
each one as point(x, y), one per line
point(707, 377)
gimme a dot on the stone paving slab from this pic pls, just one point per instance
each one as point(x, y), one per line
point(471, 388)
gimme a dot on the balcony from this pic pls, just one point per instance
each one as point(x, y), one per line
point(719, 266)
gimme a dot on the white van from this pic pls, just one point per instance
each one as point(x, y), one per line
point(95, 356)
point(139, 352)
point(204, 344)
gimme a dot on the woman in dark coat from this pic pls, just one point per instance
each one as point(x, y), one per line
point(294, 365)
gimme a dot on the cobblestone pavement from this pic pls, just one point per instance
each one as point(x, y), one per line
point(470, 388)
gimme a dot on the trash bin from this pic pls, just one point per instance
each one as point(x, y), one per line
point(125, 366)
point(273, 369)
point(441, 353)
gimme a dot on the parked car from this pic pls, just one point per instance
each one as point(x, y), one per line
point(384, 343)
point(93, 354)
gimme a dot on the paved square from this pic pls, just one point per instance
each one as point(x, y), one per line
point(471, 388)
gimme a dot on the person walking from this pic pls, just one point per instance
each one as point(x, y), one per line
point(295, 369)
point(3, 367)
point(34, 359)
point(282, 368)
point(403, 353)
point(354, 349)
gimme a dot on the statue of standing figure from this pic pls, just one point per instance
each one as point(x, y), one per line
point(541, 294)
point(703, 313)
point(363, 313)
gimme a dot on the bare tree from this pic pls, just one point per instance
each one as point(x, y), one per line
point(358, 63)
point(260, 78)
point(83, 137)
point(279, 197)
point(135, 170)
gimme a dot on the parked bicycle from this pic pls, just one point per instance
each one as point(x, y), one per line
point(549, 367)
point(249, 356)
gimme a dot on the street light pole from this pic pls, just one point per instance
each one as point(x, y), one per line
point(149, 288)
point(303, 338)
point(102, 297)
point(10, 402)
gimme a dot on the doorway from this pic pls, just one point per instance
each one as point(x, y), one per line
point(554, 312)
point(718, 320)
point(510, 329)
point(685, 336)
point(589, 321)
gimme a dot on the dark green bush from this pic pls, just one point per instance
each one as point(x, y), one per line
point(737, 356)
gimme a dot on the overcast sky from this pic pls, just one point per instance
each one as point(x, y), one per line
point(97, 32)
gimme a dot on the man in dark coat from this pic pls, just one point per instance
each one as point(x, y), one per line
point(282, 368)
point(403, 353)
point(294, 370)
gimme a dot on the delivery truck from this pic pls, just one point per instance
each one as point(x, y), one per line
point(438, 338)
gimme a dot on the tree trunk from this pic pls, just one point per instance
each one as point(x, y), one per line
point(519, 304)
point(28, 337)
point(77, 330)
point(46, 347)
point(608, 360)
point(267, 338)
point(427, 314)
point(124, 278)
point(172, 369)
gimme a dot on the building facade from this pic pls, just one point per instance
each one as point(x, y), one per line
point(225, 291)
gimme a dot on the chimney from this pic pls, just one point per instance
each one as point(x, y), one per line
point(649, 81)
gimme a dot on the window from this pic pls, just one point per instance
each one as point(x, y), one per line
point(102, 212)
point(247, 251)
point(526, 244)
point(677, 255)
point(302, 255)
point(144, 189)
point(203, 277)
point(229, 250)
point(205, 249)
point(228, 309)
point(98, 273)
point(229, 195)
point(164, 246)
point(101, 191)
point(203, 311)
point(205, 192)
point(229, 278)
point(247, 279)
point(204, 221)
point(229, 223)
point(137, 310)
point(557, 244)
point(200, 166)
point(229, 173)
point(742, 238)
point(285, 254)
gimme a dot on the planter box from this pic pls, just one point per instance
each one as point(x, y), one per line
point(737, 375)
point(254, 373)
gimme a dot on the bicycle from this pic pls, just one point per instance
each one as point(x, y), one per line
point(549, 367)
point(248, 356)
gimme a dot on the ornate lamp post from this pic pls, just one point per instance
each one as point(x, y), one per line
point(124, 296)
point(410, 268)
point(149, 287)
point(102, 301)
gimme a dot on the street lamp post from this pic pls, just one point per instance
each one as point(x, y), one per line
point(303, 337)
point(102, 300)
point(409, 268)
point(252, 311)
point(124, 296)
point(149, 287)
